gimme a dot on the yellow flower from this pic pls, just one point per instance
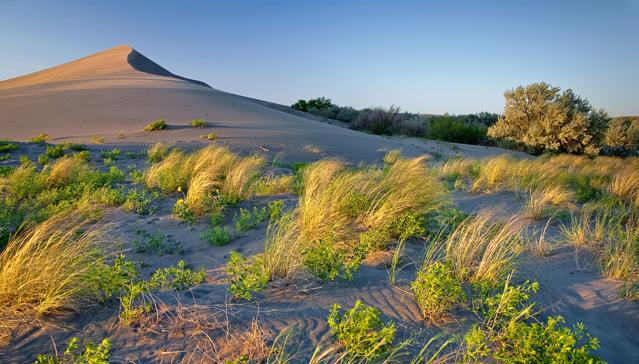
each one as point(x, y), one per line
point(179, 188)
point(180, 201)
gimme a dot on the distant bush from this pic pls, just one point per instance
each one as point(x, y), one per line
point(159, 124)
point(622, 136)
point(456, 129)
point(545, 119)
point(317, 103)
point(198, 123)
point(43, 137)
point(7, 146)
point(379, 120)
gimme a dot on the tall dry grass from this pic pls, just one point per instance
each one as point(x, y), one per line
point(43, 269)
point(338, 203)
point(480, 249)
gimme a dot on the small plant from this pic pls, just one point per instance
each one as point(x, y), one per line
point(7, 146)
point(135, 155)
point(139, 201)
point(275, 209)
point(210, 136)
point(43, 159)
point(216, 235)
point(91, 354)
point(325, 262)
point(245, 276)
point(361, 330)
point(43, 137)
point(155, 243)
point(177, 277)
point(437, 290)
point(182, 210)
point(110, 154)
point(248, 219)
point(135, 302)
point(198, 123)
point(157, 152)
point(84, 155)
point(105, 281)
point(159, 124)
point(54, 151)
point(96, 139)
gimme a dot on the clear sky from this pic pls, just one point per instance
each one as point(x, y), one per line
point(424, 56)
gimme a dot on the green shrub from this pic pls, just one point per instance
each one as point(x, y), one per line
point(275, 209)
point(157, 152)
point(622, 136)
point(318, 103)
point(211, 136)
point(106, 281)
point(43, 159)
point(361, 330)
point(437, 290)
point(198, 123)
point(325, 262)
point(159, 124)
point(177, 277)
point(216, 235)
point(139, 201)
point(43, 137)
point(135, 155)
point(54, 151)
point(110, 154)
point(157, 243)
point(456, 129)
point(91, 354)
point(135, 302)
point(545, 119)
point(182, 211)
point(248, 219)
point(7, 146)
point(84, 155)
point(245, 276)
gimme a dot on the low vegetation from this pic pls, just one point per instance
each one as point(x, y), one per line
point(156, 125)
point(90, 353)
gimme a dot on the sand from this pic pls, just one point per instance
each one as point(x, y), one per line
point(117, 92)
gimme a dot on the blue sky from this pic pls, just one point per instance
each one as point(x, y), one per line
point(424, 56)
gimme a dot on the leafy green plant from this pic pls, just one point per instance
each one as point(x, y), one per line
point(41, 138)
point(245, 276)
point(7, 146)
point(54, 151)
point(182, 211)
point(110, 154)
point(43, 159)
point(326, 262)
point(157, 243)
point(361, 330)
point(248, 219)
point(90, 354)
point(198, 123)
point(106, 281)
point(216, 235)
point(139, 201)
point(135, 302)
point(177, 277)
point(437, 290)
point(156, 125)
point(157, 152)
point(275, 209)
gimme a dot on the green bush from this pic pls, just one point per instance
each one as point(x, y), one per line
point(110, 154)
point(248, 219)
point(198, 123)
point(182, 211)
point(275, 209)
point(326, 262)
point(622, 136)
point(7, 146)
point(177, 277)
point(43, 137)
point(361, 331)
point(437, 290)
point(159, 124)
point(457, 130)
point(139, 201)
point(157, 243)
point(317, 103)
point(216, 235)
point(91, 354)
point(245, 276)
point(545, 119)
point(106, 281)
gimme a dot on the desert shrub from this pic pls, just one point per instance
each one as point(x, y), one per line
point(90, 354)
point(456, 129)
point(437, 290)
point(379, 120)
point(198, 123)
point(506, 332)
point(248, 219)
point(43, 137)
point(545, 119)
point(32, 280)
point(105, 281)
point(317, 103)
point(177, 277)
point(245, 276)
point(361, 330)
point(7, 146)
point(156, 125)
point(622, 136)
point(216, 235)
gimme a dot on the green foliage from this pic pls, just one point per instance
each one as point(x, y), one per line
point(216, 235)
point(177, 277)
point(84, 155)
point(182, 211)
point(7, 146)
point(275, 209)
point(158, 124)
point(112, 154)
point(318, 103)
point(245, 276)
point(135, 155)
point(198, 123)
point(326, 262)
point(157, 243)
point(361, 330)
point(248, 219)
point(157, 152)
point(54, 151)
point(135, 302)
point(545, 119)
point(211, 136)
point(91, 354)
point(139, 201)
point(437, 290)
point(43, 159)
point(622, 136)
point(456, 129)
point(106, 281)
point(43, 137)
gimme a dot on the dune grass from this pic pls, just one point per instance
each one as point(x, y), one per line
point(44, 268)
point(337, 204)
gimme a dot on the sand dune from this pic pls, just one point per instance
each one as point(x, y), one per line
point(115, 93)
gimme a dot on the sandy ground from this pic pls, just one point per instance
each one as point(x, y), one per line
point(114, 94)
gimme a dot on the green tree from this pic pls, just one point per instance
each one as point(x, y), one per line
point(622, 136)
point(544, 118)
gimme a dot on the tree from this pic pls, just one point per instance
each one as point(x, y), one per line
point(544, 118)
point(318, 103)
point(622, 136)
